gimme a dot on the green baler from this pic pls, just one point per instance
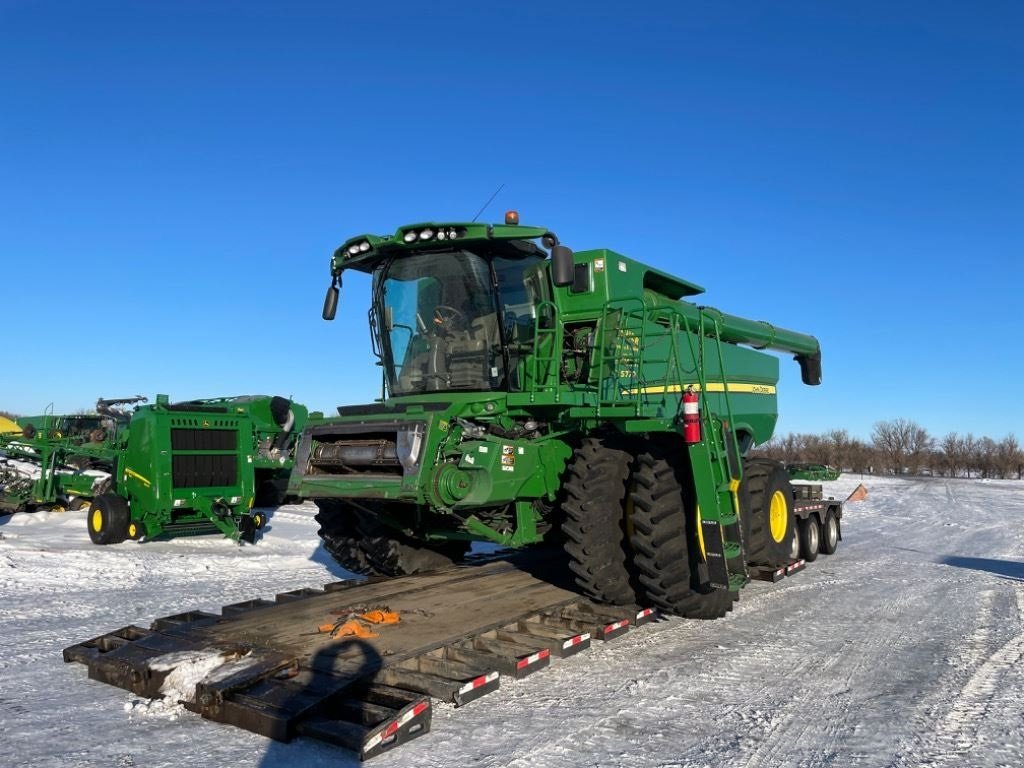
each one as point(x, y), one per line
point(167, 469)
point(531, 398)
point(197, 467)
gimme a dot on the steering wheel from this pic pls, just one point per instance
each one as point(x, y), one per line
point(445, 315)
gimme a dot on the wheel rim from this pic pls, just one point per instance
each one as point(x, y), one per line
point(778, 517)
point(132, 530)
point(700, 535)
point(812, 536)
point(96, 520)
point(831, 532)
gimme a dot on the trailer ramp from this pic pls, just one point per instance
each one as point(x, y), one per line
point(264, 665)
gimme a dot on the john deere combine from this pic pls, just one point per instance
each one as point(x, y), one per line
point(166, 469)
point(534, 394)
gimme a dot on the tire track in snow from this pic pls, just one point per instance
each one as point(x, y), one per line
point(813, 721)
point(953, 740)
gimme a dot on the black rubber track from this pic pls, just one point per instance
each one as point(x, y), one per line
point(664, 542)
point(761, 479)
point(593, 504)
point(360, 544)
point(340, 536)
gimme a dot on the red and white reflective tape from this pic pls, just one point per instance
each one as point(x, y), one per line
point(381, 736)
point(794, 566)
point(575, 640)
point(617, 625)
point(532, 659)
point(641, 615)
point(479, 682)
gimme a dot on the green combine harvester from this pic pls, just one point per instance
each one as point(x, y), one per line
point(533, 394)
point(161, 470)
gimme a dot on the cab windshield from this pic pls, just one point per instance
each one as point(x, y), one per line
point(445, 320)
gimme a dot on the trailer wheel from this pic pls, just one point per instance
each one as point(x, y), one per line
point(766, 506)
point(595, 505)
point(810, 538)
point(108, 519)
point(665, 544)
point(830, 534)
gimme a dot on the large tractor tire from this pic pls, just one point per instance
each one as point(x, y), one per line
point(594, 505)
point(108, 518)
point(766, 507)
point(360, 544)
point(664, 539)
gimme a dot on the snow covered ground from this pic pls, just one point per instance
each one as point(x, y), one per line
point(906, 648)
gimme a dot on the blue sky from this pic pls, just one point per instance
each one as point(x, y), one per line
point(174, 177)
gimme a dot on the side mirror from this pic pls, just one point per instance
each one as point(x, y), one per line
point(562, 266)
point(331, 302)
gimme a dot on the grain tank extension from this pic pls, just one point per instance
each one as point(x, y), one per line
point(534, 394)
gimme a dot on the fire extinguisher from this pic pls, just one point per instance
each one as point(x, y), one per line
point(691, 417)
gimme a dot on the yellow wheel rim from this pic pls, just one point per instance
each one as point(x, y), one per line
point(96, 520)
point(778, 517)
point(132, 530)
point(700, 535)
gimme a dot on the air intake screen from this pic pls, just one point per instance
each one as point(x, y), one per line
point(204, 440)
point(204, 471)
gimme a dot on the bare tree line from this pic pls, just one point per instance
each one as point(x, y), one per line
point(903, 447)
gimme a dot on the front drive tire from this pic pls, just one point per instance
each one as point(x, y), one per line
point(594, 523)
point(107, 519)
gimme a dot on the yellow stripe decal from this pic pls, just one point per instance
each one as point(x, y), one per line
point(137, 476)
point(713, 386)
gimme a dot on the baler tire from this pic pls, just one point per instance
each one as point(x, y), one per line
point(809, 534)
point(762, 480)
point(340, 537)
point(594, 500)
point(830, 534)
point(107, 519)
point(661, 543)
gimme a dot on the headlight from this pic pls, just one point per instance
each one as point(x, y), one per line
point(409, 236)
point(426, 234)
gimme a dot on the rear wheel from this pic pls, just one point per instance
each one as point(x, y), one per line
point(810, 537)
point(830, 534)
point(665, 541)
point(594, 525)
point(108, 519)
point(767, 508)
